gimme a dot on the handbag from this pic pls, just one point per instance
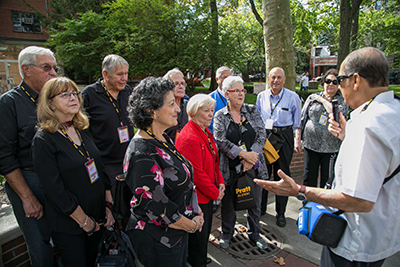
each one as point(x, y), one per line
point(122, 198)
point(271, 155)
point(115, 250)
point(244, 195)
point(276, 141)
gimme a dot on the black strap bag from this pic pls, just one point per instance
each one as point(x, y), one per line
point(244, 190)
point(122, 199)
point(323, 225)
point(115, 250)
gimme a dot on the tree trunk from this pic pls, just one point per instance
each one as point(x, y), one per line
point(278, 39)
point(214, 44)
point(348, 27)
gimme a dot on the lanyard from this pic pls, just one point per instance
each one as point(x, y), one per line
point(29, 95)
point(367, 105)
point(212, 148)
point(175, 152)
point(72, 142)
point(240, 127)
point(112, 102)
point(221, 97)
point(270, 103)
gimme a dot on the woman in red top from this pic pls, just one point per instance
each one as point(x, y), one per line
point(196, 143)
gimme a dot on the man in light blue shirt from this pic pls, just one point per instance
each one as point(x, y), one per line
point(222, 73)
point(280, 109)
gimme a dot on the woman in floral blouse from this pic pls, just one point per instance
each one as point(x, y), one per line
point(161, 179)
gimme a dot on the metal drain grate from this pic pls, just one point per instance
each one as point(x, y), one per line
point(242, 247)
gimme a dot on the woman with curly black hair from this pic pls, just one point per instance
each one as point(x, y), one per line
point(164, 206)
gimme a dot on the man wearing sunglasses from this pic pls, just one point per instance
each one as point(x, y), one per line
point(37, 65)
point(370, 152)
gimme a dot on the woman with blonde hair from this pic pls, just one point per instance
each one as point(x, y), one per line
point(71, 172)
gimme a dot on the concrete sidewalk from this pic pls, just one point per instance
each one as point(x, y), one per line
point(297, 250)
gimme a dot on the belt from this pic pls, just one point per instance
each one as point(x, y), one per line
point(120, 177)
point(28, 169)
point(279, 129)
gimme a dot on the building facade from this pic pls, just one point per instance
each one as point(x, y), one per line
point(20, 27)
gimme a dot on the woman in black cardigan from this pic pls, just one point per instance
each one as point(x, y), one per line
point(70, 169)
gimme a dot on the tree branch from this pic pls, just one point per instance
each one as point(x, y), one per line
point(253, 8)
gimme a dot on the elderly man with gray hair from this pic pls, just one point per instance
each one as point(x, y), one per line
point(368, 155)
point(220, 100)
point(176, 76)
point(105, 102)
point(37, 65)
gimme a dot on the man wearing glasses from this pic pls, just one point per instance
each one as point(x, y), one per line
point(37, 65)
point(280, 109)
point(369, 153)
point(176, 76)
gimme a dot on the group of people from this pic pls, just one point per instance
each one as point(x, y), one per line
point(61, 151)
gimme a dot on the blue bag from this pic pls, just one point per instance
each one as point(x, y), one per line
point(321, 225)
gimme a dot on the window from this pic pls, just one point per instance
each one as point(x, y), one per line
point(318, 51)
point(25, 22)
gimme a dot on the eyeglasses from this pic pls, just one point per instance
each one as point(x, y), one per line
point(180, 83)
point(67, 95)
point(340, 78)
point(329, 81)
point(237, 91)
point(48, 68)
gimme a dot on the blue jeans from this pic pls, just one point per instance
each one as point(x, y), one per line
point(36, 232)
point(304, 87)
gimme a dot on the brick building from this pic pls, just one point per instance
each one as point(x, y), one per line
point(19, 28)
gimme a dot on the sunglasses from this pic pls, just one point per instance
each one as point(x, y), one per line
point(329, 81)
point(47, 68)
point(340, 78)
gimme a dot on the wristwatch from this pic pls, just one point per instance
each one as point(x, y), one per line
point(302, 193)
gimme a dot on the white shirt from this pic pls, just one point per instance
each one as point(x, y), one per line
point(304, 80)
point(369, 153)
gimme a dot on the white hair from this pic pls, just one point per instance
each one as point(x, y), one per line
point(276, 68)
point(229, 81)
point(172, 72)
point(27, 56)
point(111, 62)
point(220, 70)
point(198, 101)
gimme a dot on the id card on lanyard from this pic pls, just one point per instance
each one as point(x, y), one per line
point(123, 134)
point(92, 170)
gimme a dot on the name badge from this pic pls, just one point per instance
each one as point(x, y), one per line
point(92, 170)
point(123, 134)
point(238, 168)
point(323, 119)
point(269, 124)
point(243, 147)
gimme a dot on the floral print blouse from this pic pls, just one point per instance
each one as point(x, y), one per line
point(162, 187)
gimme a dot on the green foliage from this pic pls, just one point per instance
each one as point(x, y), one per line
point(381, 28)
point(1, 179)
point(242, 39)
point(82, 45)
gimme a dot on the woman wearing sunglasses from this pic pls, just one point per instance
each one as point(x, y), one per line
point(319, 145)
